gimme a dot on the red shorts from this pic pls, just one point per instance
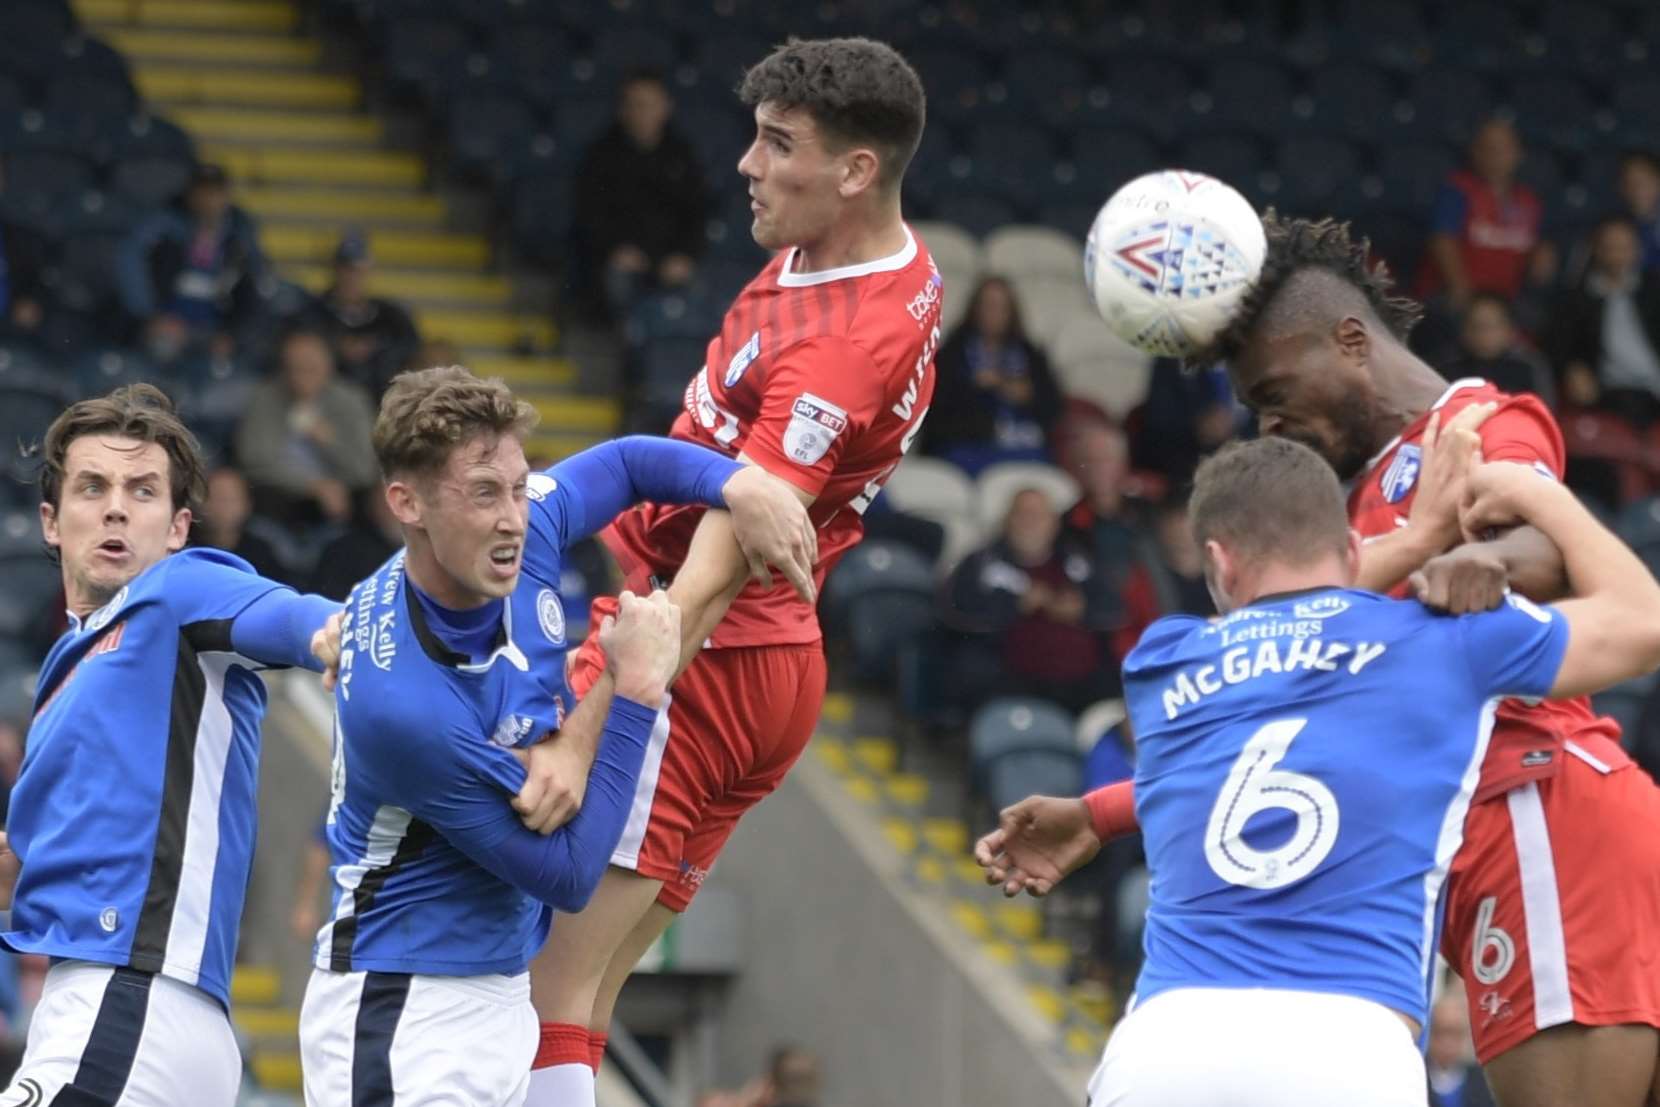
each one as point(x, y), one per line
point(737, 720)
point(1553, 905)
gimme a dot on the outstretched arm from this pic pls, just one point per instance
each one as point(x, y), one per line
point(1043, 839)
point(277, 628)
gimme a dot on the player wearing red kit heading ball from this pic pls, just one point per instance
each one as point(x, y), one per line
point(821, 374)
point(1552, 899)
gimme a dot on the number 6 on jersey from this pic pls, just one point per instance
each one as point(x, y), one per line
point(1254, 785)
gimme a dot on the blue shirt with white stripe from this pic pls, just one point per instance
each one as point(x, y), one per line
point(1304, 767)
point(134, 811)
point(432, 870)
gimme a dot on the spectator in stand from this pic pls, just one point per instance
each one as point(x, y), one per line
point(23, 259)
point(372, 338)
point(1639, 187)
point(1021, 607)
point(1187, 414)
point(1168, 579)
point(434, 352)
point(1104, 521)
point(995, 398)
point(1485, 232)
point(1454, 1078)
point(640, 199)
point(224, 524)
point(304, 443)
point(188, 276)
point(1489, 347)
point(1606, 332)
point(372, 537)
point(794, 1078)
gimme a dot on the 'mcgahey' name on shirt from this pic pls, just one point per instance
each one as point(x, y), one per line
point(1243, 663)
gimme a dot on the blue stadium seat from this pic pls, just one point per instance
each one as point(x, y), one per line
point(666, 315)
point(718, 137)
point(620, 50)
point(420, 52)
point(1413, 174)
point(1042, 772)
point(1148, 86)
point(534, 60)
point(978, 214)
point(1486, 25)
point(532, 154)
point(1237, 159)
point(1107, 157)
point(722, 60)
point(665, 367)
point(1542, 171)
point(1312, 170)
point(576, 123)
point(954, 80)
point(76, 96)
point(146, 135)
point(1556, 110)
point(482, 130)
point(1249, 95)
point(1351, 99)
point(1013, 161)
point(27, 408)
point(1018, 725)
point(31, 582)
point(44, 173)
point(1037, 76)
point(880, 597)
point(1398, 239)
point(151, 181)
point(99, 370)
point(12, 99)
point(539, 219)
point(1447, 103)
point(1634, 93)
point(92, 59)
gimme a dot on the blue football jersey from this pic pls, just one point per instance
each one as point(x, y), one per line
point(134, 812)
point(422, 774)
point(1303, 772)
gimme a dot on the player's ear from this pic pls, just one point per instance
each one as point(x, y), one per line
point(861, 172)
point(1354, 338)
point(1351, 558)
point(49, 526)
point(1221, 575)
point(404, 502)
point(178, 533)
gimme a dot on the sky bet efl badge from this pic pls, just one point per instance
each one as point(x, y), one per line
point(1402, 473)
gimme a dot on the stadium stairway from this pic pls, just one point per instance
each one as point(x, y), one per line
point(308, 162)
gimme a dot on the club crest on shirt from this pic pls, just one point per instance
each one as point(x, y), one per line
point(814, 424)
point(1402, 474)
point(740, 360)
point(100, 619)
point(512, 730)
point(551, 615)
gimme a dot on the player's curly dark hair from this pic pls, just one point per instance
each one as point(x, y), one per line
point(857, 90)
point(1296, 245)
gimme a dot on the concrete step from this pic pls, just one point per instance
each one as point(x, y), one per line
point(357, 166)
point(173, 86)
point(210, 49)
point(418, 249)
point(550, 448)
point(218, 15)
point(255, 984)
point(276, 1069)
point(492, 329)
point(575, 414)
point(339, 206)
point(278, 128)
point(267, 1022)
point(525, 372)
point(429, 287)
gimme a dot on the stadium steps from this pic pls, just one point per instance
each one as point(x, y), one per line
point(936, 850)
point(309, 162)
point(269, 1031)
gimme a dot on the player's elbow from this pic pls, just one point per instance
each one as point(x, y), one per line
point(572, 892)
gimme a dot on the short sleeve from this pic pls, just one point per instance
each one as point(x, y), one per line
point(1450, 209)
point(205, 585)
point(1515, 649)
point(820, 395)
point(1523, 431)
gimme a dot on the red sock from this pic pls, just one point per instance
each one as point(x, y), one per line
point(563, 1043)
point(596, 1049)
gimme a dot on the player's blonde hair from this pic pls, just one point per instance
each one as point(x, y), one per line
point(427, 413)
point(1269, 498)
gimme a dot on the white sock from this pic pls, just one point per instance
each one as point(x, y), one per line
point(561, 1086)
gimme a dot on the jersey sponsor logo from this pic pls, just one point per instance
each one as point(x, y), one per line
point(907, 403)
point(814, 424)
point(924, 301)
point(540, 486)
point(100, 619)
point(740, 360)
point(512, 730)
point(550, 614)
point(384, 645)
point(1402, 474)
point(1326, 607)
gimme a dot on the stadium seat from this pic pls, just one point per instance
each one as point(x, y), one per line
point(955, 81)
point(1049, 302)
point(31, 581)
point(1147, 87)
point(151, 181)
point(1018, 251)
point(421, 52)
point(1634, 94)
point(45, 174)
point(539, 218)
point(1015, 161)
point(672, 315)
point(1096, 365)
point(1015, 725)
point(1104, 158)
point(1447, 103)
point(1312, 170)
point(83, 57)
point(1038, 772)
point(100, 370)
point(1639, 525)
point(618, 50)
point(998, 484)
point(718, 136)
point(665, 366)
point(976, 213)
point(1040, 76)
point(482, 129)
point(1412, 176)
point(956, 252)
point(930, 488)
point(27, 408)
point(1234, 158)
point(146, 135)
point(1553, 109)
point(81, 96)
point(1351, 100)
point(881, 596)
point(1250, 95)
point(1095, 720)
point(722, 59)
point(1542, 171)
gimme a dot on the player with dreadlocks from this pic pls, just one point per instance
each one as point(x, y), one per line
point(1552, 900)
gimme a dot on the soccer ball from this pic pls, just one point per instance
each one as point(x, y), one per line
point(1169, 257)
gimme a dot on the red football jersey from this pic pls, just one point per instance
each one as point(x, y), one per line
point(1529, 739)
point(821, 379)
